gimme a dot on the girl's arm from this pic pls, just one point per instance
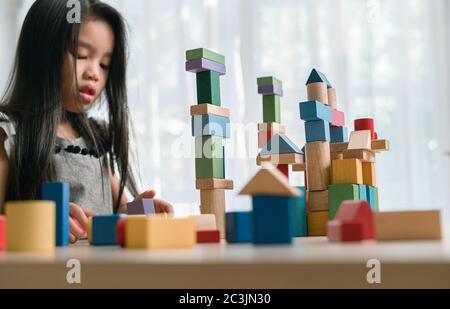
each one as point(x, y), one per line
point(4, 170)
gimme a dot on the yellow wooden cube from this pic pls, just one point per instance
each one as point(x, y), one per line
point(31, 226)
point(369, 178)
point(347, 171)
point(317, 223)
point(160, 232)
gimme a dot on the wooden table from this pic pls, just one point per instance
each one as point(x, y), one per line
point(309, 263)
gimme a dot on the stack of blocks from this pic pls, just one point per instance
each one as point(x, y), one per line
point(318, 117)
point(210, 126)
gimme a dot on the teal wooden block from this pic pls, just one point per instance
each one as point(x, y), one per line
point(208, 88)
point(104, 230)
point(269, 81)
point(375, 193)
point(371, 196)
point(208, 147)
point(317, 131)
point(210, 125)
point(60, 194)
point(300, 219)
point(318, 77)
point(239, 227)
point(280, 144)
point(199, 53)
point(340, 193)
point(338, 134)
point(363, 193)
point(271, 109)
point(315, 110)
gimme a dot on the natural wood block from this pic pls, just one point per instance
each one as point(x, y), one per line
point(369, 177)
point(360, 140)
point(205, 109)
point(380, 145)
point(213, 202)
point(31, 226)
point(272, 126)
point(317, 223)
point(338, 147)
point(347, 171)
point(337, 156)
point(332, 98)
point(318, 164)
point(287, 158)
point(160, 232)
point(205, 222)
point(214, 183)
point(363, 154)
point(299, 167)
point(408, 225)
point(318, 92)
point(318, 200)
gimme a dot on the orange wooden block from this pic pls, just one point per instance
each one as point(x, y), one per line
point(317, 223)
point(214, 183)
point(347, 171)
point(205, 109)
point(368, 170)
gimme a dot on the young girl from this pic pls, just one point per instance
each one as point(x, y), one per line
point(61, 71)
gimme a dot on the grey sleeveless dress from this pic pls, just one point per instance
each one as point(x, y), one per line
point(79, 166)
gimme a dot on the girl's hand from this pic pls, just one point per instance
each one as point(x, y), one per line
point(161, 206)
point(78, 222)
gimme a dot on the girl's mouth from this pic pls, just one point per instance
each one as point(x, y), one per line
point(87, 94)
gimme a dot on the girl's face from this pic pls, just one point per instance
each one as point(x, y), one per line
point(93, 58)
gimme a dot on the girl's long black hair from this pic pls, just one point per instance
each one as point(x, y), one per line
point(33, 98)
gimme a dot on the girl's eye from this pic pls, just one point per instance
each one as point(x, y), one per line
point(80, 57)
point(105, 67)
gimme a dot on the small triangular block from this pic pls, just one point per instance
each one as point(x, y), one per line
point(269, 181)
point(280, 144)
point(318, 77)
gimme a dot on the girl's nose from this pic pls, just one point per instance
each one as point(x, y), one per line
point(91, 75)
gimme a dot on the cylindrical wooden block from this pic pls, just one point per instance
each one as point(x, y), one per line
point(318, 200)
point(366, 124)
point(332, 98)
point(318, 165)
point(317, 92)
point(213, 202)
point(31, 226)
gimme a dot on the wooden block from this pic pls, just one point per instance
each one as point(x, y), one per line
point(269, 181)
point(213, 183)
point(205, 237)
point(346, 171)
point(199, 53)
point(104, 230)
point(141, 207)
point(318, 164)
point(363, 193)
point(210, 125)
point(380, 145)
point(60, 194)
point(317, 223)
point(317, 92)
point(31, 226)
point(208, 88)
point(160, 232)
point(288, 158)
point(205, 222)
point(366, 124)
point(338, 118)
point(284, 168)
point(264, 137)
point(209, 168)
point(362, 154)
point(272, 126)
point(239, 227)
point(269, 80)
point(360, 140)
point(408, 225)
point(213, 202)
point(205, 109)
point(120, 231)
point(2, 233)
point(315, 110)
point(338, 147)
point(299, 167)
point(89, 231)
point(370, 193)
point(204, 65)
point(375, 196)
point(318, 77)
point(350, 215)
point(209, 147)
point(270, 90)
point(317, 131)
point(271, 109)
point(368, 170)
point(338, 134)
point(318, 200)
point(337, 156)
point(280, 144)
point(332, 98)
point(300, 221)
point(276, 212)
point(337, 194)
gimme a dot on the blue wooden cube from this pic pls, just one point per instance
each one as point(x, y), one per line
point(317, 131)
point(60, 194)
point(104, 230)
point(210, 125)
point(141, 207)
point(239, 227)
point(273, 219)
point(300, 219)
point(315, 110)
point(363, 196)
point(371, 197)
point(339, 134)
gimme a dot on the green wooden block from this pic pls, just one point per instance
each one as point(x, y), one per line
point(269, 81)
point(209, 168)
point(377, 206)
point(340, 193)
point(209, 147)
point(271, 109)
point(198, 53)
point(208, 88)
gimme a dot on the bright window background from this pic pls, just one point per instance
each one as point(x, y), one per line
point(388, 60)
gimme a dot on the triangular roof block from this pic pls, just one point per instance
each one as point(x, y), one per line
point(280, 144)
point(269, 181)
point(318, 77)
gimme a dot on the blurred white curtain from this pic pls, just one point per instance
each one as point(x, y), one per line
point(388, 60)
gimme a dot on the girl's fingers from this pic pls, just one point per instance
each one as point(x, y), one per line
point(78, 214)
point(88, 212)
point(75, 229)
point(146, 195)
point(162, 206)
point(72, 238)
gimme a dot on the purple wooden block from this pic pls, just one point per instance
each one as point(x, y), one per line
point(202, 64)
point(141, 207)
point(270, 90)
